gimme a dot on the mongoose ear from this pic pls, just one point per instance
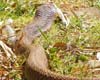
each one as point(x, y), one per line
point(61, 15)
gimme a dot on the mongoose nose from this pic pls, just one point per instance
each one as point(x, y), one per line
point(66, 22)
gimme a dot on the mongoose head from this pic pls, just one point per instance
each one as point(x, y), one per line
point(50, 10)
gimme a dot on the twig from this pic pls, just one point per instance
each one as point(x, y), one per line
point(7, 50)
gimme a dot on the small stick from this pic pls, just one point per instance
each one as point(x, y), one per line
point(7, 50)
